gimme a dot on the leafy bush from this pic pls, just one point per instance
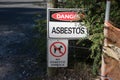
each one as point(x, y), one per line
point(95, 22)
point(41, 40)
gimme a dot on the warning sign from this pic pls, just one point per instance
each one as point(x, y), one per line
point(66, 23)
point(57, 53)
point(58, 49)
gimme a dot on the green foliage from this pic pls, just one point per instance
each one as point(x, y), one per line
point(115, 13)
point(41, 41)
point(95, 23)
point(94, 20)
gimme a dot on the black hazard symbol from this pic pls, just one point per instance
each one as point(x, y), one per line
point(58, 49)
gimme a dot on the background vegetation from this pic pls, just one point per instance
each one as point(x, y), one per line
point(87, 50)
point(95, 22)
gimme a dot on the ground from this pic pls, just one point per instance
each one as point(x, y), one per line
point(18, 54)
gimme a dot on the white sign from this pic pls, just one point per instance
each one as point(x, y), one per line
point(57, 53)
point(67, 30)
point(66, 23)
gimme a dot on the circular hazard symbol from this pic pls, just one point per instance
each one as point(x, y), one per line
point(57, 49)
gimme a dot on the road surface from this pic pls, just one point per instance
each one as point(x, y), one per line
point(17, 50)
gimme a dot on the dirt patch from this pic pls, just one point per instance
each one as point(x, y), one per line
point(80, 71)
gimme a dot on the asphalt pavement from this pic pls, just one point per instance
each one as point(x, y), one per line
point(17, 50)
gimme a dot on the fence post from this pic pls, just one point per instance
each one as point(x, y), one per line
point(51, 71)
point(107, 12)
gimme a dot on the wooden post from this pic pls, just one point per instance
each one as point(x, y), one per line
point(51, 71)
point(105, 40)
point(52, 3)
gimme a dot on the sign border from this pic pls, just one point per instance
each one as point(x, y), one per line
point(62, 9)
point(52, 58)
